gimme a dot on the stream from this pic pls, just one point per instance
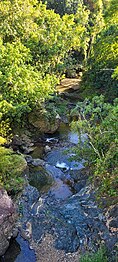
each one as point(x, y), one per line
point(58, 201)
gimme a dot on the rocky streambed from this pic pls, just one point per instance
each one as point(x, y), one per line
point(59, 216)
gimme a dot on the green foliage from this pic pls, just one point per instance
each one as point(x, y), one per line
point(111, 14)
point(55, 37)
point(99, 256)
point(100, 75)
point(103, 63)
point(98, 120)
point(21, 84)
point(115, 74)
point(56, 105)
point(2, 140)
point(34, 44)
point(48, 36)
point(11, 168)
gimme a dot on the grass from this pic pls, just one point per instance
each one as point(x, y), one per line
point(99, 256)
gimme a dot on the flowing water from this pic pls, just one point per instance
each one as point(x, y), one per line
point(58, 201)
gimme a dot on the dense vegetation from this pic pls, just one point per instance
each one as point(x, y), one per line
point(98, 120)
point(101, 72)
point(38, 45)
point(34, 43)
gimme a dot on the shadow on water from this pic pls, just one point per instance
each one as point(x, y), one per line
point(39, 179)
point(18, 251)
point(38, 151)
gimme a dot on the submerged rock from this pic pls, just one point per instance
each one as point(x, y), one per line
point(7, 220)
point(47, 149)
point(38, 162)
point(52, 140)
point(73, 219)
point(62, 165)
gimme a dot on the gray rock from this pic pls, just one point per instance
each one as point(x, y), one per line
point(7, 220)
point(79, 185)
point(29, 159)
point(22, 143)
point(38, 162)
point(44, 121)
point(54, 172)
point(27, 150)
point(17, 141)
point(47, 149)
point(30, 194)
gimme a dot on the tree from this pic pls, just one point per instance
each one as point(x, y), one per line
point(34, 44)
point(103, 58)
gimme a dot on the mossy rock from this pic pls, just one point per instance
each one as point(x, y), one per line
point(45, 121)
point(12, 166)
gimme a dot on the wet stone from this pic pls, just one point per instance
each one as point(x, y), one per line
point(79, 185)
point(37, 162)
point(72, 219)
point(68, 221)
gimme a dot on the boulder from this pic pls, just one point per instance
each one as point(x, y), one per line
point(7, 220)
point(45, 122)
point(69, 84)
point(38, 162)
point(17, 141)
point(12, 166)
point(22, 143)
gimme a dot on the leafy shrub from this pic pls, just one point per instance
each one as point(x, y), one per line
point(100, 150)
point(2, 140)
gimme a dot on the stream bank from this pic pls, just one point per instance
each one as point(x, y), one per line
point(59, 215)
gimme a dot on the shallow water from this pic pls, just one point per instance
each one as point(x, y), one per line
point(69, 214)
point(61, 158)
point(19, 251)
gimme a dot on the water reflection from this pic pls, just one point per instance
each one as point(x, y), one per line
point(39, 178)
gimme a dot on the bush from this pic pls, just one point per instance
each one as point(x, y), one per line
point(2, 140)
point(100, 150)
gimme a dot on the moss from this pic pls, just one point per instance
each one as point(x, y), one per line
point(12, 166)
